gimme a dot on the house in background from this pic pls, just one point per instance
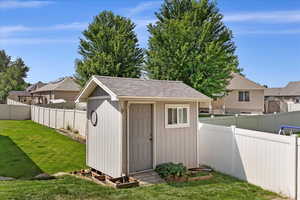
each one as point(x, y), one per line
point(64, 90)
point(136, 124)
point(244, 97)
point(25, 96)
point(284, 99)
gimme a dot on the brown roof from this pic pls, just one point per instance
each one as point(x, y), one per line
point(66, 84)
point(291, 89)
point(35, 86)
point(19, 93)
point(141, 88)
point(239, 82)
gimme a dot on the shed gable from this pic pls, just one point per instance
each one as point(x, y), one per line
point(98, 92)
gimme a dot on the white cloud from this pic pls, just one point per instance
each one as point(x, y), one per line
point(265, 17)
point(142, 23)
point(23, 4)
point(4, 30)
point(7, 30)
point(268, 32)
point(143, 7)
point(35, 41)
point(72, 26)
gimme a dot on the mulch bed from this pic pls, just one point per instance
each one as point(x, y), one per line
point(194, 174)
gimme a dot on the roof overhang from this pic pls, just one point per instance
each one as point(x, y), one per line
point(89, 88)
point(94, 82)
point(164, 99)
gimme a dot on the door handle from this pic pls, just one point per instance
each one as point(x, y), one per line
point(150, 139)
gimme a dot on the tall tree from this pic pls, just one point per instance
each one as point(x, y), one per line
point(12, 74)
point(189, 42)
point(109, 48)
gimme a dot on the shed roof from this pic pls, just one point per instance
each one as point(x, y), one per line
point(239, 82)
point(141, 88)
point(66, 84)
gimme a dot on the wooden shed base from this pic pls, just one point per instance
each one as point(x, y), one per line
point(102, 179)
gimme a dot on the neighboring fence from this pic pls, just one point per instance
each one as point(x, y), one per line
point(291, 106)
point(13, 102)
point(265, 123)
point(14, 112)
point(60, 118)
point(264, 159)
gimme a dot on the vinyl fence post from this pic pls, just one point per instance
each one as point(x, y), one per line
point(233, 129)
point(64, 120)
point(295, 164)
point(55, 117)
point(74, 116)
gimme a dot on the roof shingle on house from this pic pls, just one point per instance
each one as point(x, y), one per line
point(19, 93)
point(291, 89)
point(142, 88)
point(35, 86)
point(65, 84)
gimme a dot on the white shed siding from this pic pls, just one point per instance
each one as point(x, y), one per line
point(178, 145)
point(104, 140)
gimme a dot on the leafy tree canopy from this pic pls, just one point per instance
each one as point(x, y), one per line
point(109, 48)
point(189, 42)
point(12, 74)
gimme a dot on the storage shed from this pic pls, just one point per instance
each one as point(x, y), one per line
point(136, 124)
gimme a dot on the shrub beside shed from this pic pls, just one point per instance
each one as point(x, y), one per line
point(136, 124)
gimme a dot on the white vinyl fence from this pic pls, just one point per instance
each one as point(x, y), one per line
point(264, 159)
point(14, 112)
point(291, 106)
point(60, 118)
point(13, 102)
point(264, 123)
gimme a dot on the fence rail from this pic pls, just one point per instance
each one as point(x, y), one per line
point(60, 118)
point(264, 159)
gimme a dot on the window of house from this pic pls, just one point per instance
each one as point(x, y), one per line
point(177, 115)
point(244, 96)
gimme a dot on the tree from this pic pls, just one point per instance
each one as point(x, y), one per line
point(12, 74)
point(109, 48)
point(189, 42)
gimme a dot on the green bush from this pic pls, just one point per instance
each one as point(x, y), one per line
point(170, 169)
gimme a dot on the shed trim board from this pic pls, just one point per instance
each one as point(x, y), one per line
point(153, 134)
point(106, 89)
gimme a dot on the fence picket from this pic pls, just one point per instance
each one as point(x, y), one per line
point(264, 159)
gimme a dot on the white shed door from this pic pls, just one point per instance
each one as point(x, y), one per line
point(140, 137)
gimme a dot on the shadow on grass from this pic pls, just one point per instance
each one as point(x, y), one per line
point(14, 162)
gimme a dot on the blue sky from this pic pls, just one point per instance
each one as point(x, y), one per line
point(45, 33)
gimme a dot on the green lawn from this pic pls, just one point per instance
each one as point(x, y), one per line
point(69, 188)
point(27, 149)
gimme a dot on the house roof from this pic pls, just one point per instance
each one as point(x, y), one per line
point(239, 82)
point(291, 89)
point(19, 93)
point(65, 84)
point(35, 86)
point(140, 88)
